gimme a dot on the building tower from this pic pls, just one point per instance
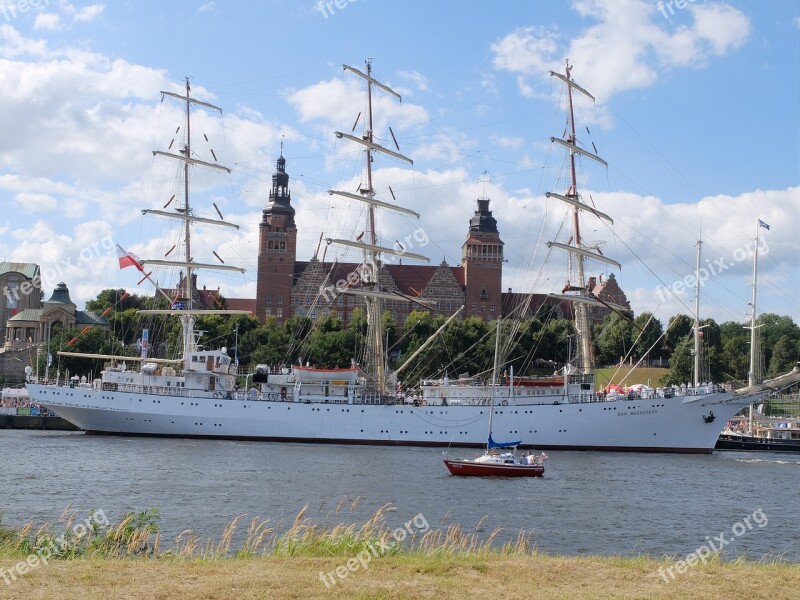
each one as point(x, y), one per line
point(277, 250)
point(482, 259)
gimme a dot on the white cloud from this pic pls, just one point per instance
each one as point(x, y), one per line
point(507, 142)
point(32, 203)
point(655, 242)
point(208, 6)
point(88, 13)
point(417, 78)
point(337, 102)
point(79, 129)
point(47, 21)
point(528, 50)
point(627, 48)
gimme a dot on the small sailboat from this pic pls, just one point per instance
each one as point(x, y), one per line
point(494, 463)
point(500, 458)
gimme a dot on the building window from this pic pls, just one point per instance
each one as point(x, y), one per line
point(268, 312)
point(12, 294)
point(474, 307)
point(279, 313)
point(484, 295)
point(483, 308)
point(491, 308)
point(269, 299)
point(279, 300)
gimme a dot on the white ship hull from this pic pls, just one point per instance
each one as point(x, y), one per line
point(674, 424)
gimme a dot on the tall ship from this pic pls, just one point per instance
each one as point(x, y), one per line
point(199, 395)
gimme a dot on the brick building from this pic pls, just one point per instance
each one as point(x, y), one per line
point(286, 286)
point(21, 290)
point(33, 326)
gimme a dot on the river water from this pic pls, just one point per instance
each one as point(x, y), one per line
point(587, 502)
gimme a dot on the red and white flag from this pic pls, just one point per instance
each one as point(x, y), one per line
point(128, 259)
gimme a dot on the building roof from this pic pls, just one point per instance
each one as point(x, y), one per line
point(242, 304)
point(29, 314)
point(82, 317)
point(60, 295)
point(409, 279)
point(29, 270)
point(87, 317)
point(512, 300)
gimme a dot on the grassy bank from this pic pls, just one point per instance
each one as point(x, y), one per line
point(400, 576)
point(608, 375)
point(367, 560)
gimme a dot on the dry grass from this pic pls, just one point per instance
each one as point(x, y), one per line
point(397, 577)
point(127, 560)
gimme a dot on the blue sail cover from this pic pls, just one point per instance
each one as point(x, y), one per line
point(493, 444)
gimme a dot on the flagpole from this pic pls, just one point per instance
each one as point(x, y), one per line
point(751, 375)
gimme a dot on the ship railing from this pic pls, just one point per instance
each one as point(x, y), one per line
point(582, 378)
point(469, 401)
point(155, 390)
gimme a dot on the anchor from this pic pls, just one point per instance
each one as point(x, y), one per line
point(710, 417)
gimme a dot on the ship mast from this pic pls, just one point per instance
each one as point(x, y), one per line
point(697, 318)
point(578, 252)
point(184, 213)
point(373, 296)
point(751, 374)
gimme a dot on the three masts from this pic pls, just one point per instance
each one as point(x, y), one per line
point(200, 398)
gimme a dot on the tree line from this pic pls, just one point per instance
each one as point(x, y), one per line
point(533, 346)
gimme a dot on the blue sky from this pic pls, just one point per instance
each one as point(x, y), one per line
point(697, 114)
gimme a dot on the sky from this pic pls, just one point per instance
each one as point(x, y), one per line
point(696, 112)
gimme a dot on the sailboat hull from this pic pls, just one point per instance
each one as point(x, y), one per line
point(471, 468)
point(654, 425)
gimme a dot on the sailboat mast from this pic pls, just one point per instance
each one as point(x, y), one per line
point(697, 317)
point(377, 358)
point(494, 378)
point(751, 375)
point(187, 320)
point(375, 354)
point(183, 212)
point(373, 236)
point(581, 311)
point(187, 150)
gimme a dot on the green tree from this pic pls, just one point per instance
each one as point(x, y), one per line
point(615, 340)
point(679, 327)
point(649, 338)
point(680, 363)
point(784, 356)
point(64, 342)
